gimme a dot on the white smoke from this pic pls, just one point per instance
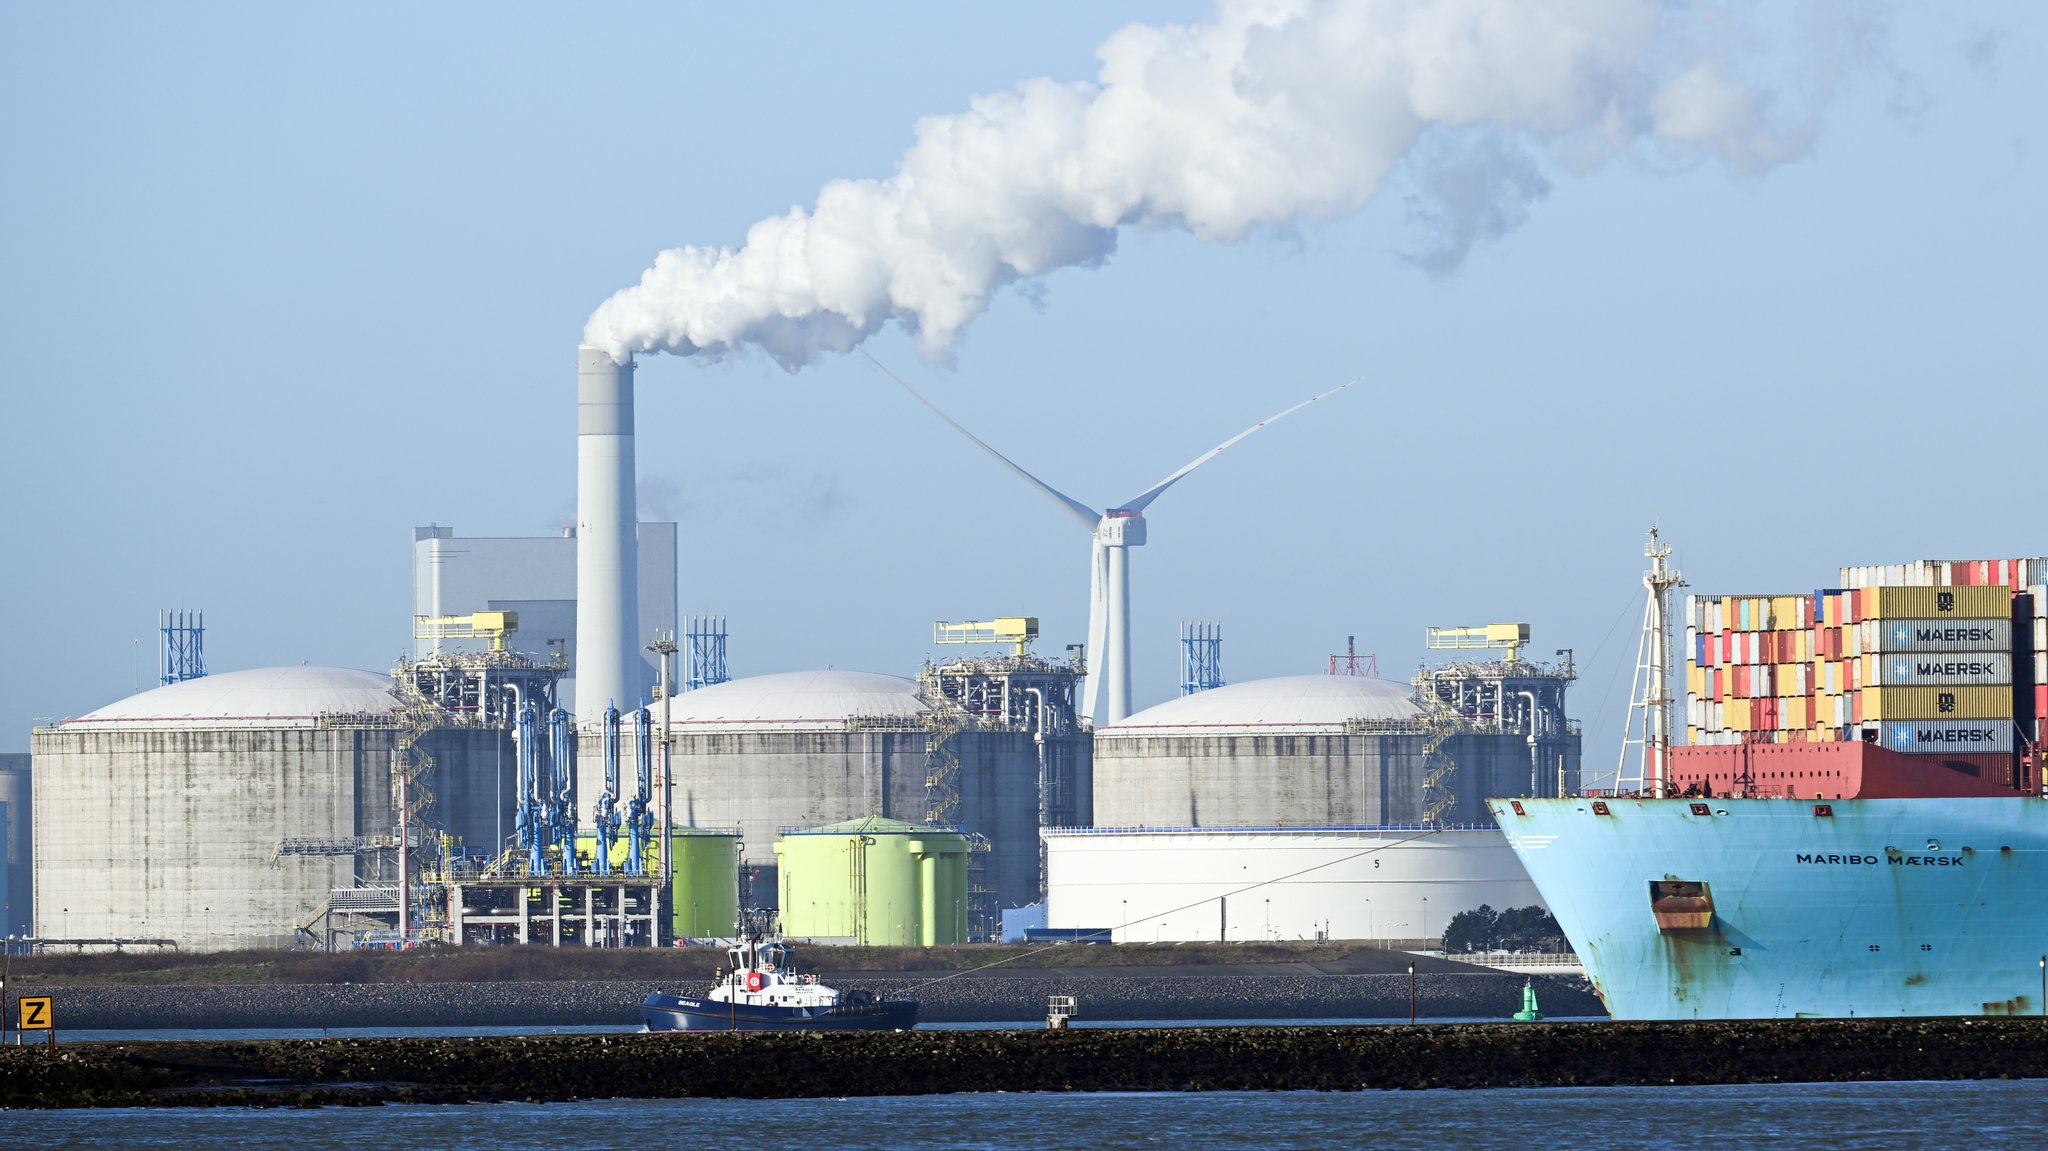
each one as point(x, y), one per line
point(1272, 112)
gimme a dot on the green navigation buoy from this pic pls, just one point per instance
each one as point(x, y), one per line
point(1529, 1012)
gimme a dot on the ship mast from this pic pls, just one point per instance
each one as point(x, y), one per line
point(1650, 694)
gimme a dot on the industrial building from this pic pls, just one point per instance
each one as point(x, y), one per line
point(801, 750)
point(249, 809)
point(1398, 886)
point(17, 824)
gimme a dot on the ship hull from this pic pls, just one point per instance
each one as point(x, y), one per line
point(1848, 907)
point(663, 1012)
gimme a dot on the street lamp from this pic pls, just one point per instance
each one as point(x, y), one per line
point(1368, 919)
point(1425, 921)
point(1411, 991)
point(1125, 934)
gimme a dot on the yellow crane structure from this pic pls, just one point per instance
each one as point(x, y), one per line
point(1509, 638)
point(1016, 630)
point(493, 626)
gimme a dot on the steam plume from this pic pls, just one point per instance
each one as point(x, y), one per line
point(1271, 113)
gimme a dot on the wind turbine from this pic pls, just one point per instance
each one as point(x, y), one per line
point(1115, 531)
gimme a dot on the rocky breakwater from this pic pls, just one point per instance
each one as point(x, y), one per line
point(1103, 993)
point(562, 1067)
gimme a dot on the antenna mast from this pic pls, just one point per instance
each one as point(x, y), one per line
point(1650, 694)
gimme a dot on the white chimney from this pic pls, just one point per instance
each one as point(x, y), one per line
point(606, 662)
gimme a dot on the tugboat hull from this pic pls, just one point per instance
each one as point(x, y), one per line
point(664, 1012)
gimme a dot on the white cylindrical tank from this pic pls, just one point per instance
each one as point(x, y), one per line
point(606, 664)
point(1396, 885)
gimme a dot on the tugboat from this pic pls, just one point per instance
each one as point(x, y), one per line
point(762, 990)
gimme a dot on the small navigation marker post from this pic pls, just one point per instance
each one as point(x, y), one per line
point(1529, 1012)
point(38, 1015)
point(1058, 1010)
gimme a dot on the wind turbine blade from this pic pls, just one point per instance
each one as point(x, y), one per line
point(1152, 493)
point(1098, 628)
point(1087, 515)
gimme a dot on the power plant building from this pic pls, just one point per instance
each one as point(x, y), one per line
point(536, 578)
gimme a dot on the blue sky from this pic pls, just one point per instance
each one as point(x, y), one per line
point(278, 284)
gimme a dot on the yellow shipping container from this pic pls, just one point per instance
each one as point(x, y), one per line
point(1937, 703)
point(1792, 713)
point(1736, 715)
point(1695, 680)
point(1787, 612)
point(1934, 603)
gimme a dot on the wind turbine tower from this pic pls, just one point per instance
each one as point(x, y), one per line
point(1115, 532)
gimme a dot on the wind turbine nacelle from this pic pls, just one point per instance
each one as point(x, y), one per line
point(1121, 530)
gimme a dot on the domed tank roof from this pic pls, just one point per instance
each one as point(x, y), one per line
point(872, 825)
point(797, 701)
point(1303, 704)
point(257, 697)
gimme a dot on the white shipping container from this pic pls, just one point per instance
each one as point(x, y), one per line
point(1948, 737)
point(1914, 635)
point(1897, 669)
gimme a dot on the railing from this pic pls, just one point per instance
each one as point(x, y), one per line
point(1516, 958)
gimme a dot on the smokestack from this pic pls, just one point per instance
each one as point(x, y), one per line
point(607, 658)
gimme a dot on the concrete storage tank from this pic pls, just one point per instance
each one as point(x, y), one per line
point(875, 881)
point(1299, 751)
point(245, 809)
point(806, 749)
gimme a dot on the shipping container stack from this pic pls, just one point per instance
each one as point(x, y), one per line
point(2028, 581)
point(1942, 658)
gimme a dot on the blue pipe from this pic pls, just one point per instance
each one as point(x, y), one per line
point(607, 815)
point(639, 820)
point(562, 805)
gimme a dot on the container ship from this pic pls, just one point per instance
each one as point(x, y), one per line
point(1855, 825)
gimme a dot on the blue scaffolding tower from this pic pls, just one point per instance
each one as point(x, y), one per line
point(706, 635)
point(184, 644)
point(1201, 657)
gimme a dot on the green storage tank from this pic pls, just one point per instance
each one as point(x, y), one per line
point(875, 881)
point(705, 903)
